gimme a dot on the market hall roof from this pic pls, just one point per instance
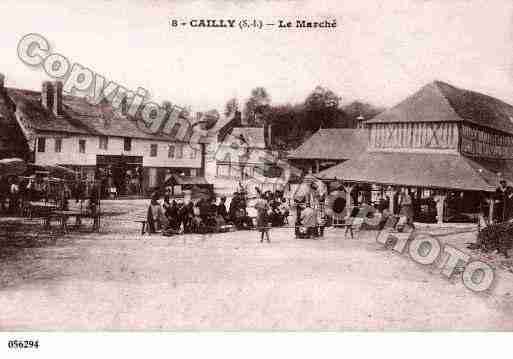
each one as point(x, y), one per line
point(441, 102)
point(332, 144)
point(428, 170)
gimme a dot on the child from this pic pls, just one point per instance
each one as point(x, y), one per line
point(262, 223)
point(350, 219)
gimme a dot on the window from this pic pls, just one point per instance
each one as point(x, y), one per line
point(171, 151)
point(81, 146)
point(153, 150)
point(58, 144)
point(192, 154)
point(127, 144)
point(179, 150)
point(41, 144)
point(104, 142)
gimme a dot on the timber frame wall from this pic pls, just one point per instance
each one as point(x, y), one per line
point(443, 137)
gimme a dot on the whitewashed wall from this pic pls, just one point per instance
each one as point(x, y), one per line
point(70, 154)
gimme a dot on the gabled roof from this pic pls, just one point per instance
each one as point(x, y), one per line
point(79, 117)
point(332, 144)
point(448, 171)
point(441, 102)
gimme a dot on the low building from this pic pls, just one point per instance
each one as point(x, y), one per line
point(91, 139)
point(328, 147)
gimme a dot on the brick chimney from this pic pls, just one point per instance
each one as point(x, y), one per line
point(57, 98)
point(47, 95)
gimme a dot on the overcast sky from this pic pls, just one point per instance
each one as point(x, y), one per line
point(381, 51)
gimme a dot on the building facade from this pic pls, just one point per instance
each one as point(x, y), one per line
point(442, 138)
point(242, 154)
point(98, 140)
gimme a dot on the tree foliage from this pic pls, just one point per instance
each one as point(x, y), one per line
point(292, 124)
point(231, 107)
point(258, 100)
point(356, 109)
point(322, 107)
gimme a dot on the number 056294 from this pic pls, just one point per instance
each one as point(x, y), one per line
point(23, 344)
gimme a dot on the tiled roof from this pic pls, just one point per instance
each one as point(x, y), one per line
point(79, 117)
point(441, 102)
point(422, 170)
point(332, 143)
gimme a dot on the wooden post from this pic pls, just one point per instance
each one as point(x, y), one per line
point(440, 206)
point(317, 166)
point(392, 192)
point(491, 210)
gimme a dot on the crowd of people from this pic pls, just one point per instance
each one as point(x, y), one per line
point(175, 216)
point(16, 192)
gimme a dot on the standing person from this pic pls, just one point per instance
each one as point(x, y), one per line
point(232, 210)
point(262, 208)
point(321, 215)
point(297, 223)
point(170, 211)
point(309, 220)
point(406, 204)
point(505, 201)
point(221, 209)
point(284, 210)
point(186, 215)
point(155, 215)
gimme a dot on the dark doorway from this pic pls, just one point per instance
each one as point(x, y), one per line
point(124, 173)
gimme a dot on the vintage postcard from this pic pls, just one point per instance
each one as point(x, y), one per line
point(256, 166)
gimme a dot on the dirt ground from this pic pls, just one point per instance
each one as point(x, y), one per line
point(120, 280)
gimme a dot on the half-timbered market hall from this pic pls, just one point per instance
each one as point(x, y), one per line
point(448, 147)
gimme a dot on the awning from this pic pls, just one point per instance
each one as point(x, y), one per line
point(428, 170)
point(52, 170)
point(187, 180)
point(12, 166)
point(61, 172)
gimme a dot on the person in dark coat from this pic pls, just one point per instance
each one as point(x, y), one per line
point(186, 215)
point(262, 208)
point(221, 209)
point(504, 195)
point(234, 203)
point(155, 215)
